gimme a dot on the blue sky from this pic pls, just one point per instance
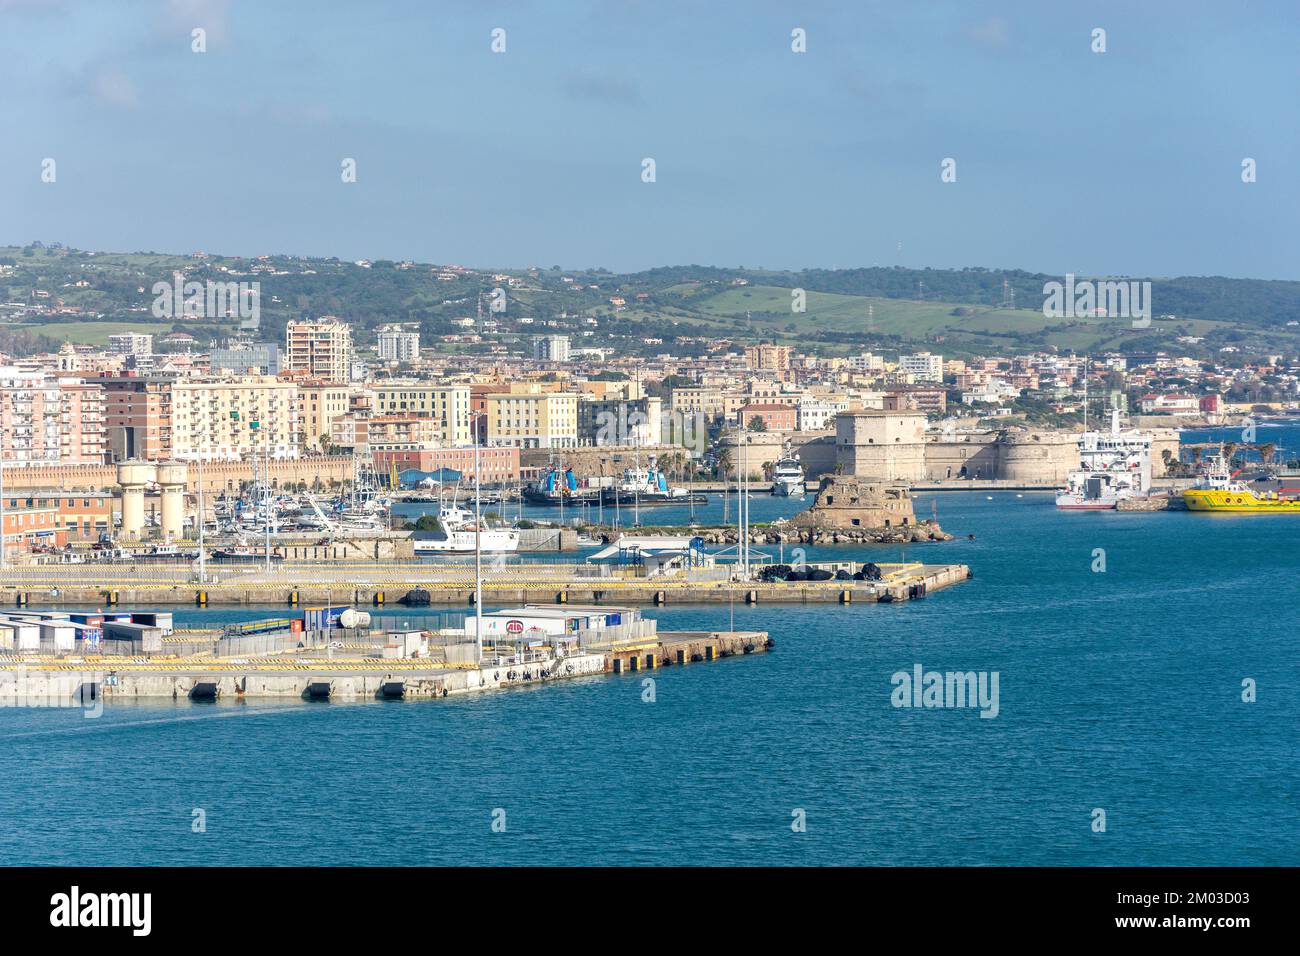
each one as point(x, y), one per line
point(1127, 162)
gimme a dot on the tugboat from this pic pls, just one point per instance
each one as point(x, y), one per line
point(788, 476)
point(555, 486)
point(648, 486)
point(1219, 490)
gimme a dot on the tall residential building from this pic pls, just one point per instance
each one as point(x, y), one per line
point(321, 349)
point(533, 419)
point(551, 348)
point(234, 418)
point(448, 405)
point(923, 367)
point(396, 345)
point(131, 343)
point(766, 357)
point(50, 421)
point(137, 416)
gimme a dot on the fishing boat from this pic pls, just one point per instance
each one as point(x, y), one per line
point(1219, 490)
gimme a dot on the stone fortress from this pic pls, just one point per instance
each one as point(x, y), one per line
point(896, 446)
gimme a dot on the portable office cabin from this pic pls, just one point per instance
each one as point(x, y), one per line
point(143, 638)
point(27, 635)
point(159, 619)
point(59, 637)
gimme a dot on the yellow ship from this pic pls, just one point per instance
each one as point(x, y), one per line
point(1218, 491)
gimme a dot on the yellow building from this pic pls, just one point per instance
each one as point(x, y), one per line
point(533, 419)
point(448, 405)
point(318, 406)
point(234, 418)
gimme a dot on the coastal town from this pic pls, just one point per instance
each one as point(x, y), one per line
point(321, 411)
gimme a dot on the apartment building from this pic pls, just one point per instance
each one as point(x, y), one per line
point(137, 416)
point(448, 405)
point(533, 419)
point(230, 419)
point(551, 348)
point(46, 420)
point(321, 349)
point(318, 406)
point(766, 357)
point(923, 367)
point(131, 343)
point(698, 400)
point(398, 345)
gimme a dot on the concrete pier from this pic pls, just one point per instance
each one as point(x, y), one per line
point(370, 584)
point(85, 682)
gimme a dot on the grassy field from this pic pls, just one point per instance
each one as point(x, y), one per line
point(94, 333)
point(766, 310)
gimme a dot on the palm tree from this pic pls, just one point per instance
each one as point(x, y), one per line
point(1267, 451)
point(724, 463)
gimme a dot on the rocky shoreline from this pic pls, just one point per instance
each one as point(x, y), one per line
point(785, 534)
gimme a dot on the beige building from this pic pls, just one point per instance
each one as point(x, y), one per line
point(234, 418)
point(766, 357)
point(533, 420)
point(318, 406)
point(448, 405)
point(320, 350)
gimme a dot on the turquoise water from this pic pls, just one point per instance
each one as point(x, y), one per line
point(1118, 690)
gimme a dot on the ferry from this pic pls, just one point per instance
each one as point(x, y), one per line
point(788, 477)
point(1218, 490)
point(1113, 465)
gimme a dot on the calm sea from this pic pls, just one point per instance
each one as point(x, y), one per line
point(1119, 690)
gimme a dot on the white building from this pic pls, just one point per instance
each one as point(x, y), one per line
point(130, 343)
point(396, 345)
point(551, 348)
point(923, 367)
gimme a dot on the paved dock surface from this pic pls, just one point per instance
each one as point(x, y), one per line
point(371, 584)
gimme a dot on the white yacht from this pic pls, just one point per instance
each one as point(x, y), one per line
point(788, 476)
point(459, 537)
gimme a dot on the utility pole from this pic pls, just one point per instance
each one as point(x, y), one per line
point(478, 554)
point(2, 514)
point(203, 571)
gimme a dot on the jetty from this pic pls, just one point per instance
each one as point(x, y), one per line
point(326, 661)
point(375, 584)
